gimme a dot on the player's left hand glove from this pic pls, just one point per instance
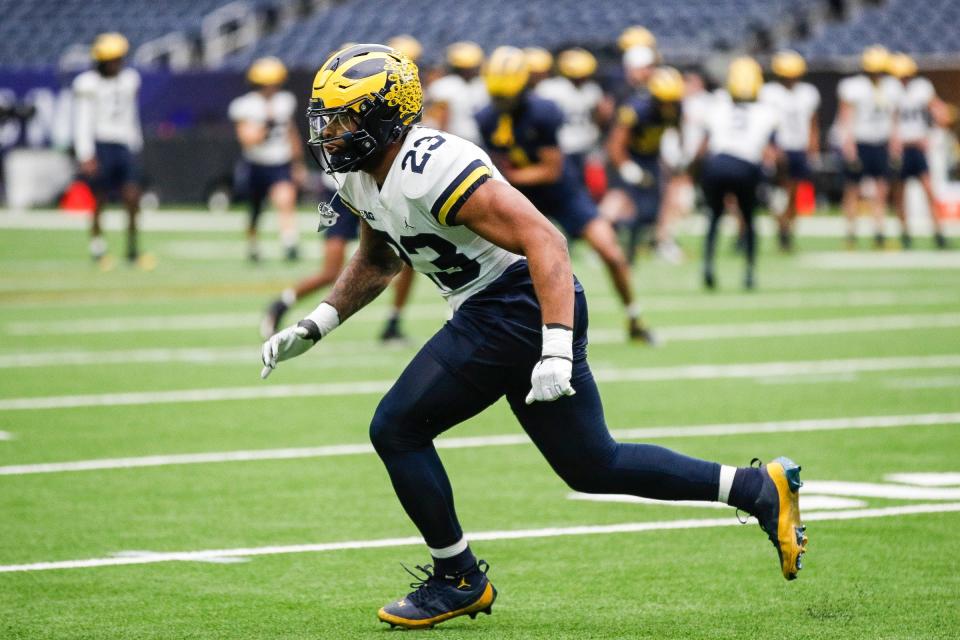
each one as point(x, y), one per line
point(551, 376)
point(297, 339)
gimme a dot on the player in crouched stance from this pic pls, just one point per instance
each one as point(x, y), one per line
point(437, 202)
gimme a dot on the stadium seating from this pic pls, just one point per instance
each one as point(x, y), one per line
point(28, 29)
point(919, 28)
point(693, 26)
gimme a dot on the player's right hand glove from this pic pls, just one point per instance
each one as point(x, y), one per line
point(298, 338)
point(634, 174)
point(551, 376)
point(288, 343)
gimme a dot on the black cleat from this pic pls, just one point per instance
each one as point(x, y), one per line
point(393, 334)
point(879, 241)
point(292, 253)
point(274, 316)
point(637, 331)
point(906, 241)
point(749, 283)
point(709, 280)
point(777, 509)
point(940, 241)
point(436, 599)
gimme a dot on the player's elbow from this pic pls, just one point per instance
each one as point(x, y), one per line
point(549, 240)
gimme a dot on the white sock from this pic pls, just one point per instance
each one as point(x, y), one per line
point(289, 297)
point(290, 238)
point(633, 310)
point(98, 246)
point(448, 552)
point(726, 483)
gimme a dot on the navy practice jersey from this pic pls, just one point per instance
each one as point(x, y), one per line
point(520, 136)
point(647, 119)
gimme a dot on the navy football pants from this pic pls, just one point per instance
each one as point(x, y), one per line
point(487, 350)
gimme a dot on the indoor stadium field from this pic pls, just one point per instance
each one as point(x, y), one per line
point(153, 486)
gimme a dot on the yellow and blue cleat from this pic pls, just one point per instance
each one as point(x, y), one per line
point(436, 599)
point(777, 509)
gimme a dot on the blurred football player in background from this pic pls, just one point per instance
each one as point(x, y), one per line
point(337, 237)
point(678, 151)
point(583, 103)
point(108, 139)
point(521, 131)
point(867, 118)
point(918, 104)
point(738, 143)
point(798, 136)
point(633, 147)
point(540, 65)
point(518, 329)
point(272, 163)
point(454, 99)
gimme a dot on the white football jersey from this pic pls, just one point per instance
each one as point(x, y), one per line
point(463, 99)
point(796, 106)
point(741, 129)
point(914, 110)
point(105, 110)
point(695, 112)
point(874, 105)
point(432, 176)
point(276, 113)
point(579, 133)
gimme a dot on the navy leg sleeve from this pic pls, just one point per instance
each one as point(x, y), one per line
point(424, 402)
point(573, 437)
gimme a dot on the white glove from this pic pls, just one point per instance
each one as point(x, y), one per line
point(551, 376)
point(298, 338)
point(632, 173)
point(288, 343)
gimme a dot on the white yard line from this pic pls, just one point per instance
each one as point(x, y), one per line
point(365, 387)
point(645, 433)
point(807, 502)
point(438, 314)
point(792, 328)
point(6, 435)
point(373, 354)
point(521, 534)
point(876, 260)
point(929, 479)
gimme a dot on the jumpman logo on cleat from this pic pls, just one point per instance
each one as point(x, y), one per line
point(463, 584)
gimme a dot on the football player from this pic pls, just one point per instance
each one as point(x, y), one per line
point(455, 99)
point(582, 101)
point(634, 146)
point(868, 110)
point(343, 231)
point(540, 65)
point(917, 102)
point(521, 130)
point(108, 140)
point(272, 153)
point(739, 142)
point(798, 136)
point(437, 202)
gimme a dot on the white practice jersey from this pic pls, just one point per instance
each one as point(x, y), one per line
point(914, 110)
point(741, 129)
point(416, 208)
point(874, 106)
point(276, 114)
point(463, 99)
point(796, 106)
point(695, 111)
point(105, 110)
point(579, 133)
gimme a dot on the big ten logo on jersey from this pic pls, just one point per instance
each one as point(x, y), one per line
point(416, 158)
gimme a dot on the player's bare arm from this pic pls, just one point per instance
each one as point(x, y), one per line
point(501, 214)
point(547, 171)
point(366, 275)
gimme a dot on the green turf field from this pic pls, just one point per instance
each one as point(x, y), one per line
point(111, 382)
